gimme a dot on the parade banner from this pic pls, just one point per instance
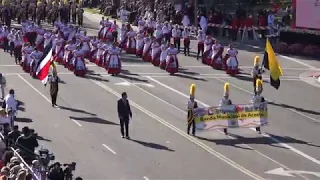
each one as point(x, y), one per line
point(231, 116)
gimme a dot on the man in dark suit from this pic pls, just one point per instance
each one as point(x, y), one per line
point(124, 113)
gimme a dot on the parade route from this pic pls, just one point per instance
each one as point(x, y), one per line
point(85, 128)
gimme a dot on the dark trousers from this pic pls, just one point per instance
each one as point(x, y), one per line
point(186, 47)
point(177, 43)
point(54, 98)
point(6, 45)
point(193, 124)
point(17, 54)
point(250, 35)
point(167, 37)
point(124, 124)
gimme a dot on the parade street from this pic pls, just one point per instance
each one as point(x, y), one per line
point(85, 129)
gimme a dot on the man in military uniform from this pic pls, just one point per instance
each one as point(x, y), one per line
point(257, 98)
point(74, 12)
point(225, 101)
point(256, 72)
point(192, 104)
point(54, 85)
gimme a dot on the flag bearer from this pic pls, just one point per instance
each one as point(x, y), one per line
point(256, 73)
point(225, 101)
point(257, 99)
point(192, 104)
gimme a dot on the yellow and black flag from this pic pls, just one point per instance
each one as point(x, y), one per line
point(271, 63)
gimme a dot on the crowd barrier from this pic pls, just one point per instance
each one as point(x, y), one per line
point(23, 162)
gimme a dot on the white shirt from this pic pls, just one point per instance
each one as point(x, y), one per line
point(11, 102)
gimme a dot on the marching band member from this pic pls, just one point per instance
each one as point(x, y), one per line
point(100, 51)
point(201, 38)
point(166, 32)
point(141, 25)
point(114, 62)
point(5, 33)
point(155, 53)
point(2, 39)
point(101, 28)
point(158, 33)
point(185, 20)
point(225, 101)
point(47, 38)
point(106, 48)
point(216, 58)
point(36, 57)
point(68, 55)
point(94, 43)
point(172, 64)
point(163, 55)
point(123, 37)
point(256, 73)
point(85, 44)
point(140, 43)
point(131, 44)
point(79, 62)
point(257, 98)
point(232, 61)
point(17, 48)
point(192, 104)
point(59, 43)
point(114, 31)
point(146, 54)
point(176, 34)
point(206, 58)
point(12, 38)
point(26, 51)
point(40, 38)
point(186, 41)
point(151, 26)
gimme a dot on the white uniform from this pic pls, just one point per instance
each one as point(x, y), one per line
point(131, 39)
point(155, 49)
point(35, 56)
point(11, 102)
point(158, 32)
point(59, 42)
point(26, 54)
point(141, 24)
point(140, 42)
point(163, 55)
point(100, 51)
point(232, 61)
point(85, 43)
point(40, 34)
point(123, 33)
point(78, 59)
point(215, 50)
point(113, 57)
point(176, 33)
point(69, 51)
point(147, 44)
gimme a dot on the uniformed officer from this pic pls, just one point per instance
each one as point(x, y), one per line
point(225, 101)
point(258, 98)
point(192, 104)
point(256, 72)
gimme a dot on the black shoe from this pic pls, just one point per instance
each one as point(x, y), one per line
point(127, 137)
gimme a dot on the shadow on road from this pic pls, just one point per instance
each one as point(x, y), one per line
point(131, 78)
point(23, 120)
point(77, 110)
point(295, 108)
point(93, 120)
point(94, 77)
point(257, 140)
point(188, 77)
point(152, 145)
point(43, 139)
point(127, 72)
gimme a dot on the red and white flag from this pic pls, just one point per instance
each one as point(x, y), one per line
point(44, 64)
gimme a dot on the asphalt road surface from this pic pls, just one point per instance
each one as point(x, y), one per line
point(85, 128)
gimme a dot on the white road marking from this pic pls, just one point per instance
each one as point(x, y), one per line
point(253, 129)
point(144, 177)
point(182, 133)
point(77, 123)
point(184, 112)
point(201, 66)
point(107, 147)
point(47, 99)
point(297, 61)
